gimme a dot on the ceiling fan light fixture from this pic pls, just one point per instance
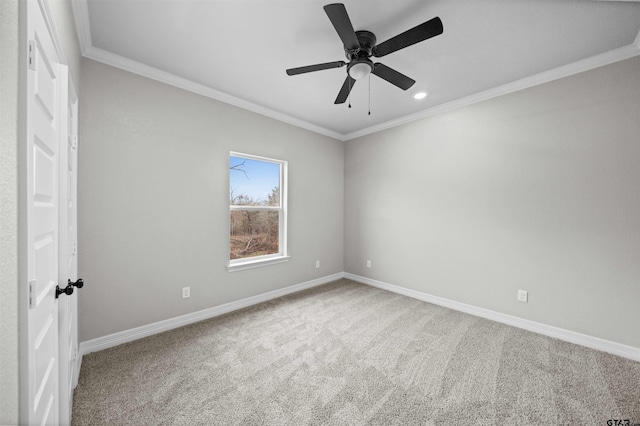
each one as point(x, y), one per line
point(360, 46)
point(359, 70)
point(420, 95)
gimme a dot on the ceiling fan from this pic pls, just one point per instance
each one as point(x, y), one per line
point(360, 46)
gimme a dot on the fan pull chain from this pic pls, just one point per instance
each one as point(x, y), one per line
point(349, 79)
point(369, 93)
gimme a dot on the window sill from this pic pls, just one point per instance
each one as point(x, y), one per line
point(256, 263)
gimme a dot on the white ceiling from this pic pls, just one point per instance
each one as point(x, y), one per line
point(237, 51)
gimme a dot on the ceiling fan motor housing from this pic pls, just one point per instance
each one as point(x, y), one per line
point(359, 63)
point(367, 41)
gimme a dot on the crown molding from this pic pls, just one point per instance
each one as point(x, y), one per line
point(81, 16)
point(123, 63)
point(587, 64)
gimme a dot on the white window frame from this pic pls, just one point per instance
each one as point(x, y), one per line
point(269, 259)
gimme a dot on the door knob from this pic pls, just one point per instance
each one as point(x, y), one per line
point(68, 290)
point(78, 283)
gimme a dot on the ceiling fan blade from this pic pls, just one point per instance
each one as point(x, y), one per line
point(415, 35)
point(338, 16)
point(317, 67)
point(345, 90)
point(392, 76)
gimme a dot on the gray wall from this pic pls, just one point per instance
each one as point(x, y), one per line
point(153, 201)
point(8, 212)
point(537, 190)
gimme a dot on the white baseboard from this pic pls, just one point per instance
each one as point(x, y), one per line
point(119, 338)
point(546, 330)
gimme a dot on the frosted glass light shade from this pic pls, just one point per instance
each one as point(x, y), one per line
point(358, 71)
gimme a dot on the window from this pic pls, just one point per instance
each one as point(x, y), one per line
point(257, 211)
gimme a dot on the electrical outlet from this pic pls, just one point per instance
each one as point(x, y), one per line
point(317, 264)
point(522, 295)
point(368, 264)
point(186, 292)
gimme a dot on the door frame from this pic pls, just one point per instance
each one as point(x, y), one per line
point(67, 253)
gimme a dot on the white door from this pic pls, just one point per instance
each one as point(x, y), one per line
point(68, 267)
point(39, 203)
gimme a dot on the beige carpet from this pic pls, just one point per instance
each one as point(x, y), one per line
point(349, 354)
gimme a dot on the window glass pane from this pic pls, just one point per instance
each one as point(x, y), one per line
point(253, 182)
point(253, 233)
point(257, 188)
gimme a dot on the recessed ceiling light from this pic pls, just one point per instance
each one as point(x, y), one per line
point(420, 95)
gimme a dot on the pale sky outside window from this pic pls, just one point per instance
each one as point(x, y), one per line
point(257, 181)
